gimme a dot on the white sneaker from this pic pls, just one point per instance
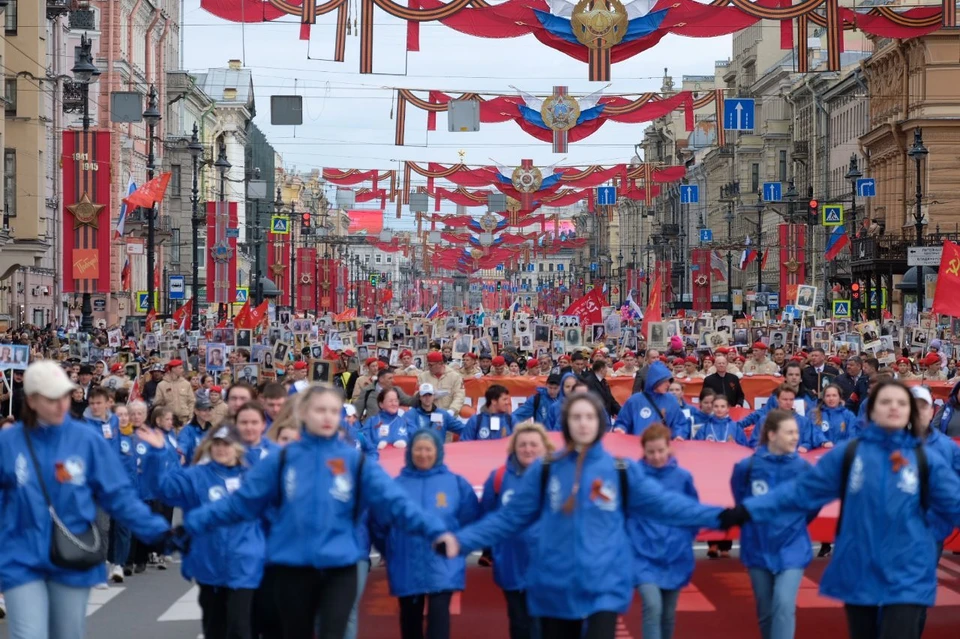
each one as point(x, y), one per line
point(102, 586)
point(116, 575)
point(3, 607)
point(161, 562)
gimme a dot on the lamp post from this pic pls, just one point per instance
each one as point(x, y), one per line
point(196, 150)
point(791, 197)
point(222, 167)
point(85, 72)
point(918, 152)
point(729, 193)
point(152, 117)
point(620, 274)
point(854, 174)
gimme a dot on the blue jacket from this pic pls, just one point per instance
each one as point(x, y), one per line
point(413, 566)
point(313, 523)
point(437, 419)
point(259, 451)
point(663, 554)
point(643, 409)
point(190, 437)
point(108, 428)
point(715, 429)
point(948, 449)
point(385, 427)
point(480, 427)
point(577, 565)
point(361, 441)
point(836, 424)
point(126, 445)
point(141, 449)
point(81, 473)
point(811, 436)
point(543, 405)
point(231, 556)
point(511, 557)
point(885, 553)
point(552, 422)
point(782, 543)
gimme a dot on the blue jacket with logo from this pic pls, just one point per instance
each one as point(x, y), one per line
point(836, 424)
point(413, 566)
point(81, 472)
point(384, 427)
point(720, 429)
point(783, 542)
point(259, 451)
point(108, 428)
point(480, 428)
point(950, 452)
point(511, 557)
point(437, 419)
point(643, 409)
point(230, 556)
point(543, 405)
point(126, 445)
point(140, 450)
point(313, 522)
point(885, 553)
point(663, 554)
point(353, 434)
point(811, 436)
point(577, 564)
point(190, 437)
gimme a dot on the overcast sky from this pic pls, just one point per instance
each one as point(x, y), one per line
point(347, 120)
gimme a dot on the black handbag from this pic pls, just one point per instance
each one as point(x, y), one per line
point(73, 551)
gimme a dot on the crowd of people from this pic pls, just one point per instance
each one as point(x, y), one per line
point(270, 459)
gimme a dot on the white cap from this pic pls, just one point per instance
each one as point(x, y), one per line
point(923, 393)
point(426, 389)
point(46, 378)
point(350, 410)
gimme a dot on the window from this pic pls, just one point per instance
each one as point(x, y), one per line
point(782, 168)
point(379, 258)
point(366, 258)
point(175, 180)
point(202, 251)
point(551, 267)
point(10, 182)
point(10, 18)
point(10, 95)
point(754, 178)
point(389, 259)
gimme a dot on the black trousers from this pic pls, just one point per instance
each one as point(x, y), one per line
point(901, 621)
point(522, 626)
point(438, 616)
point(139, 551)
point(599, 625)
point(302, 594)
point(226, 612)
point(923, 615)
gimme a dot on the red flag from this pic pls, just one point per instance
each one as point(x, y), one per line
point(653, 312)
point(240, 319)
point(150, 193)
point(945, 299)
point(587, 308)
point(151, 316)
point(183, 313)
point(257, 315)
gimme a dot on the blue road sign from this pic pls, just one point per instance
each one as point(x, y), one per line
point(772, 191)
point(606, 195)
point(593, 266)
point(530, 267)
point(841, 308)
point(773, 300)
point(738, 114)
point(689, 194)
point(866, 187)
point(233, 232)
point(177, 287)
point(499, 267)
point(243, 293)
point(706, 235)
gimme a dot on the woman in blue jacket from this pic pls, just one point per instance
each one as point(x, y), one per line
point(883, 566)
point(774, 553)
point(388, 427)
point(48, 452)
point(317, 489)
point(227, 563)
point(577, 579)
point(655, 405)
point(567, 383)
point(511, 558)
point(831, 417)
point(417, 575)
point(663, 555)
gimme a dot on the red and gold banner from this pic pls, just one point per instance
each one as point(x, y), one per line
point(221, 253)
point(700, 276)
point(278, 265)
point(86, 211)
point(793, 241)
point(664, 269)
point(306, 279)
point(327, 276)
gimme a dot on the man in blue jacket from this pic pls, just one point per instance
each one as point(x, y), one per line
point(537, 406)
point(428, 415)
point(493, 421)
point(654, 404)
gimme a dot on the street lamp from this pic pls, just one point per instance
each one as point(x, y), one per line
point(854, 174)
point(791, 197)
point(620, 273)
point(85, 72)
point(195, 149)
point(729, 193)
point(222, 166)
point(152, 117)
point(918, 152)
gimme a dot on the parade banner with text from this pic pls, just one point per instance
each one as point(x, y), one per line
point(86, 211)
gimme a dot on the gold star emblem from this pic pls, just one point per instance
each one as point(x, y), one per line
point(278, 268)
point(85, 212)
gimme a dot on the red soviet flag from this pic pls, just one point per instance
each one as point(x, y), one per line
point(653, 312)
point(945, 299)
point(587, 308)
point(150, 193)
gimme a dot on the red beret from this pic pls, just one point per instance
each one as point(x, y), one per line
point(533, 362)
point(835, 360)
point(903, 360)
point(691, 359)
point(469, 356)
point(499, 360)
point(406, 353)
point(618, 366)
point(759, 346)
point(678, 361)
point(599, 351)
point(723, 350)
point(174, 363)
point(931, 359)
point(629, 354)
point(435, 357)
point(564, 358)
point(216, 389)
point(300, 366)
point(116, 368)
point(370, 360)
point(349, 353)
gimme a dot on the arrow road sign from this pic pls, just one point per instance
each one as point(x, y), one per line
point(706, 235)
point(606, 195)
point(772, 191)
point(832, 214)
point(689, 194)
point(866, 187)
point(738, 114)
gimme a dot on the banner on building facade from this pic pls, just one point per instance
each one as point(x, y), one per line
point(221, 252)
point(700, 275)
point(793, 241)
point(278, 264)
point(664, 270)
point(86, 211)
point(306, 279)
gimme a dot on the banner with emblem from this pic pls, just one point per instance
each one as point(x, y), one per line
point(664, 270)
point(700, 275)
point(306, 279)
point(278, 265)
point(329, 280)
point(221, 253)
point(86, 211)
point(793, 241)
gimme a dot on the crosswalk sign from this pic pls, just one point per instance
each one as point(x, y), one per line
point(873, 298)
point(243, 294)
point(280, 225)
point(833, 214)
point(841, 308)
point(142, 297)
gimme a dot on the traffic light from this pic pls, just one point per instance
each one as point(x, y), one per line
point(499, 287)
point(856, 295)
point(305, 222)
point(814, 208)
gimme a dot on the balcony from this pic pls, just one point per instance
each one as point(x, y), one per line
point(881, 253)
point(136, 225)
point(800, 150)
point(72, 97)
point(57, 8)
point(81, 19)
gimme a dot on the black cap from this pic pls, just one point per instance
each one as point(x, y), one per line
point(486, 355)
point(554, 378)
point(577, 356)
point(86, 369)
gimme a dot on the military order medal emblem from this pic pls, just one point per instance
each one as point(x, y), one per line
point(85, 212)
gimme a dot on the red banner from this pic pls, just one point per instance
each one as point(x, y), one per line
point(86, 211)
point(306, 279)
point(664, 269)
point(700, 275)
point(793, 240)
point(945, 298)
point(368, 299)
point(278, 265)
point(221, 253)
point(328, 272)
point(587, 308)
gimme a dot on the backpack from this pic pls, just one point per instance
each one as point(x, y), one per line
point(357, 482)
point(923, 468)
point(619, 463)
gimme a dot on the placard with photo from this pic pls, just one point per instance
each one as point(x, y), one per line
point(598, 333)
point(249, 373)
point(216, 357)
point(572, 338)
point(280, 353)
point(806, 297)
point(14, 356)
point(657, 335)
point(321, 370)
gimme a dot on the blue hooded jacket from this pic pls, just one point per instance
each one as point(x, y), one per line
point(313, 521)
point(782, 543)
point(811, 436)
point(353, 434)
point(259, 451)
point(189, 438)
point(230, 556)
point(413, 566)
point(543, 405)
point(384, 427)
point(885, 553)
point(649, 407)
point(438, 420)
point(948, 449)
point(836, 424)
point(663, 554)
point(577, 566)
point(553, 414)
point(108, 428)
point(511, 557)
point(717, 429)
point(81, 472)
point(480, 427)
point(126, 447)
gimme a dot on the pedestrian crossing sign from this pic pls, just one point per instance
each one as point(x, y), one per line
point(243, 294)
point(280, 225)
point(833, 214)
point(841, 308)
point(142, 297)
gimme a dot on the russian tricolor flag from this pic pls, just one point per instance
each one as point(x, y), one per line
point(434, 310)
point(836, 242)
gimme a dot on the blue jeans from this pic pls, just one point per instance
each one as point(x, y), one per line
point(119, 548)
point(363, 569)
point(776, 597)
point(659, 611)
point(45, 610)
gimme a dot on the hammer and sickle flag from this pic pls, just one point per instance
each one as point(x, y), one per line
point(945, 299)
